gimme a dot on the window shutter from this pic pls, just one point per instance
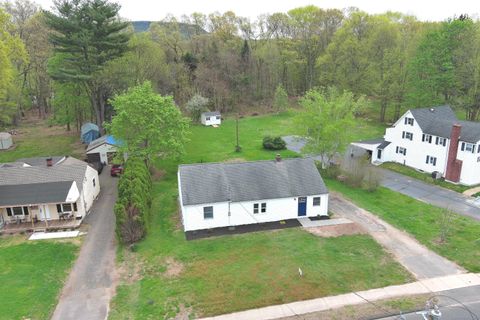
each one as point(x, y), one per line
point(423, 137)
point(430, 139)
point(406, 120)
point(444, 142)
point(59, 208)
point(428, 158)
point(463, 146)
point(396, 150)
point(411, 137)
point(403, 134)
point(436, 140)
point(404, 151)
point(434, 161)
point(473, 149)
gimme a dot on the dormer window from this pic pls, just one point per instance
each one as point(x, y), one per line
point(409, 121)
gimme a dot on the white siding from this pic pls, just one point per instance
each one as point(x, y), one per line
point(103, 149)
point(211, 121)
point(471, 165)
point(90, 191)
point(241, 213)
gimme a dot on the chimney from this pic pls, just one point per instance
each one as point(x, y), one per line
point(278, 157)
point(49, 162)
point(454, 166)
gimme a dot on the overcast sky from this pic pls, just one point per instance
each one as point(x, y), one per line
point(432, 10)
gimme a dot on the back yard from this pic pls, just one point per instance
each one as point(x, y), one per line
point(166, 275)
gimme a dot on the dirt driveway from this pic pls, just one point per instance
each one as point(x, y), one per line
point(91, 283)
point(416, 258)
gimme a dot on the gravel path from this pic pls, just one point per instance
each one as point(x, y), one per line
point(91, 283)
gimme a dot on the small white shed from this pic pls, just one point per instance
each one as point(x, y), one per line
point(211, 118)
point(5, 140)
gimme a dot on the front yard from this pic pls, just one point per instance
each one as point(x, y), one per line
point(425, 222)
point(32, 276)
point(166, 275)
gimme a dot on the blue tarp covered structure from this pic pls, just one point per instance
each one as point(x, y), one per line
point(89, 132)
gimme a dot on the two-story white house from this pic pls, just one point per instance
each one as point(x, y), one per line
point(431, 140)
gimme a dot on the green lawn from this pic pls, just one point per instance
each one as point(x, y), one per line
point(36, 139)
point(232, 273)
point(422, 220)
point(31, 276)
point(425, 177)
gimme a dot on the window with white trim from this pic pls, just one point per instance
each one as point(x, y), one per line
point(260, 207)
point(208, 212)
point(431, 160)
point(218, 117)
point(468, 147)
point(316, 201)
point(407, 135)
point(427, 138)
point(17, 211)
point(66, 207)
point(264, 207)
point(441, 141)
point(409, 121)
point(401, 150)
point(207, 118)
point(255, 208)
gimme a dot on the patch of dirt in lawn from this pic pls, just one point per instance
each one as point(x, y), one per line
point(131, 269)
point(338, 230)
point(174, 268)
point(183, 313)
point(157, 174)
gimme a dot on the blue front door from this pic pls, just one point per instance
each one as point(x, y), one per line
point(302, 206)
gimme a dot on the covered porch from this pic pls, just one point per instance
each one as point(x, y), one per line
point(32, 226)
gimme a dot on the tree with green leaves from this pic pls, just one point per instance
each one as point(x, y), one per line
point(195, 106)
point(148, 124)
point(280, 99)
point(326, 119)
point(90, 34)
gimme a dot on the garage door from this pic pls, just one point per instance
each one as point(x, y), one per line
point(93, 157)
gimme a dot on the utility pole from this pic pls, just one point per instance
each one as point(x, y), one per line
point(237, 147)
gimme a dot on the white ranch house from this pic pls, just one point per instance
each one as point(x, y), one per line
point(216, 195)
point(211, 118)
point(46, 193)
point(431, 140)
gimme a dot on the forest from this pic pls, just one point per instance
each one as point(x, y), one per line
point(68, 63)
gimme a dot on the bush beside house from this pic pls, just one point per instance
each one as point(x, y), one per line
point(274, 143)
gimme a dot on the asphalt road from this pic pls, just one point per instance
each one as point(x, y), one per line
point(451, 309)
point(431, 194)
point(91, 283)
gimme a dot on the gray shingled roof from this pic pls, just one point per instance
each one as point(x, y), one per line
point(37, 193)
point(249, 181)
point(40, 161)
point(438, 121)
point(69, 169)
point(211, 114)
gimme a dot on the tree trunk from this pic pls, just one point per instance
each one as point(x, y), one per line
point(383, 109)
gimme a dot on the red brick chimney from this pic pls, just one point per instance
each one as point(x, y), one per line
point(454, 166)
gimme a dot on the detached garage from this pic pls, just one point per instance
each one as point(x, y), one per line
point(102, 149)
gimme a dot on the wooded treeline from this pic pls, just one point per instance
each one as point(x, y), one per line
point(64, 64)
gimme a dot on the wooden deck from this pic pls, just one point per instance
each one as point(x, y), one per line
point(13, 227)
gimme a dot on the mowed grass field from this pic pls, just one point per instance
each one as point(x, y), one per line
point(167, 275)
point(32, 275)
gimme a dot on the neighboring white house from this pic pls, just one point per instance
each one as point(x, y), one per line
point(5, 140)
point(214, 195)
point(211, 118)
point(39, 189)
point(431, 140)
point(102, 149)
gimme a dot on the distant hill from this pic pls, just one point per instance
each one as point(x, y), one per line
point(187, 30)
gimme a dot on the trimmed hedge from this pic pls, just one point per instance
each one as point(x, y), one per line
point(134, 201)
point(274, 143)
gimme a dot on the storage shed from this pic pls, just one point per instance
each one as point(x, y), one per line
point(211, 118)
point(102, 149)
point(89, 132)
point(5, 140)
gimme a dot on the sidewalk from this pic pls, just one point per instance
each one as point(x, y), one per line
point(333, 302)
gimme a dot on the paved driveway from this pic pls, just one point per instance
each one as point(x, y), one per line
point(428, 193)
point(91, 283)
point(416, 258)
